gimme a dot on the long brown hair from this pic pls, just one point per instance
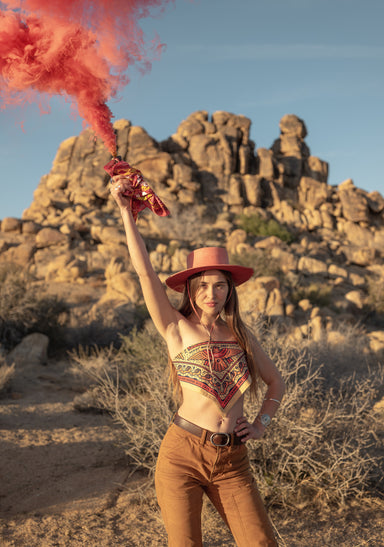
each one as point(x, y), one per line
point(231, 311)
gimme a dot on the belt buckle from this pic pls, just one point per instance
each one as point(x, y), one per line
point(227, 441)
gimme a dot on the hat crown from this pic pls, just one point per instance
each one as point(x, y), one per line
point(208, 256)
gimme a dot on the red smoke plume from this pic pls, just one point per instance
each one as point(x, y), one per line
point(79, 49)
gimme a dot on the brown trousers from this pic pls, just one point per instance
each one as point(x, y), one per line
point(188, 467)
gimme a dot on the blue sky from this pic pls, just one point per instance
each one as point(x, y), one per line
point(322, 60)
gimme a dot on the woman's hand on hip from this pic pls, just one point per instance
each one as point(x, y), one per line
point(248, 431)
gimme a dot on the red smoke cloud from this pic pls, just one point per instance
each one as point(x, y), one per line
point(79, 49)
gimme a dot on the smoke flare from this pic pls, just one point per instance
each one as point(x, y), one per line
point(79, 49)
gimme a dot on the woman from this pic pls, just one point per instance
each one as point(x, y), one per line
point(214, 360)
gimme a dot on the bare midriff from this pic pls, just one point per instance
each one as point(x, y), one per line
point(205, 413)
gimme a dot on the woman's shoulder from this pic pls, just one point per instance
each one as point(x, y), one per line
point(184, 333)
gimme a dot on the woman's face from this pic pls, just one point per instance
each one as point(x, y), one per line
point(212, 292)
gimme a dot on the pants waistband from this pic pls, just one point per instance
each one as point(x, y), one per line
point(217, 439)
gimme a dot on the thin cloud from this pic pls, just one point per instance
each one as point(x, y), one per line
point(326, 89)
point(279, 52)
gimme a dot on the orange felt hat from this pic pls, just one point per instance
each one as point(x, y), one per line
point(208, 258)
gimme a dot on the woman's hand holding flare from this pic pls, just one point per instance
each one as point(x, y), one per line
point(120, 187)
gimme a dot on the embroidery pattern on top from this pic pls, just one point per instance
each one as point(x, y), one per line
point(224, 377)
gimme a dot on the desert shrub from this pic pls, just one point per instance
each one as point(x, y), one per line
point(6, 374)
point(375, 299)
point(317, 294)
point(257, 226)
point(260, 261)
point(23, 309)
point(317, 452)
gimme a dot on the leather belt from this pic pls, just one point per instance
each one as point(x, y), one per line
point(217, 439)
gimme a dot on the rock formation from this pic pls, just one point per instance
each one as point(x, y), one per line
point(72, 242)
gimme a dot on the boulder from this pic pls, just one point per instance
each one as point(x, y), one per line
point(235, 194)
point(312, 266)
point(193, 125)
point(253, 189)
point(335, 271)
point(156, 169)
point(292, 125)
point(122, 287)
point(32, 351)
point(327, 216)
point(269, 242)
point(376, 341)
point(375, 202)
point(212, 153)
point(266, 166)
point(29, 227)
point(356, 297)
point(312, 219)
point(48, 237)
point(10, 224)
point(316, 169)
point(358, 235)
point(312, 193)
point(140, 145)
point(66, 268)
point(275, 304)
point(362, 256)
point(179, 260)
point(287, 260)
point(21, 254)
point(354, 202)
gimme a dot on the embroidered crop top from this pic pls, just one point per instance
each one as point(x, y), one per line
point(222, 376)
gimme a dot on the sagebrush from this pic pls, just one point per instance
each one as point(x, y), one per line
point(255, 225)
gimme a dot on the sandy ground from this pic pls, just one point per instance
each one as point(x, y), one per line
point(65, 481)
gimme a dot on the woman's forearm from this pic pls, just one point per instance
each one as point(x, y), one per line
point(272, 399)
point(136, 246)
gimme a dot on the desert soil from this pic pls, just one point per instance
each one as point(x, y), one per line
point(65, 481)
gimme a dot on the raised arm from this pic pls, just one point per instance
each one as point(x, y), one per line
point(159, 307)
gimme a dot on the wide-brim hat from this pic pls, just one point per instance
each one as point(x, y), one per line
point(208, 258)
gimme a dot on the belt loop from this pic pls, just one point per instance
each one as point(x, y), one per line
point(203, 436)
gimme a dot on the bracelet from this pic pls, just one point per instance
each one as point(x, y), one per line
point(275, 400)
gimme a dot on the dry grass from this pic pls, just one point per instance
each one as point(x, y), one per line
point(321, 450)
point(132, 384)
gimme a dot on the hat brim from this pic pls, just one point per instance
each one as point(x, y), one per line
point(240, 274)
